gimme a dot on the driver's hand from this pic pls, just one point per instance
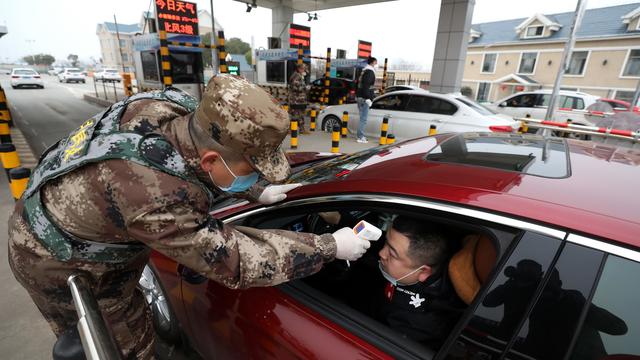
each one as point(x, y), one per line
point(330, 217)
point(348, 245)
point(274, 193)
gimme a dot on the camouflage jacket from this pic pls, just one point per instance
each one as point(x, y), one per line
point(297, 89)
point(118, 201)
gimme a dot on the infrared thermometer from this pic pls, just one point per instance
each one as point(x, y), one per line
point(366, 231)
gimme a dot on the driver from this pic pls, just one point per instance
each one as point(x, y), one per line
point(417, 298)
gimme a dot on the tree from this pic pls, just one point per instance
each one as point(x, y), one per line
point(206, 53)
point(73, 59)
point(39, 59)
point(236, 46)
point(248, 56)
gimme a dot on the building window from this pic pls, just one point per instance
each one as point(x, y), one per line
point(534, 31)
point(123, 43)
point(489, 63)
point(624, 95)
point(527, 63)
point(578, 63)
point(483, 91)
point(125, 57)
point(632, 67)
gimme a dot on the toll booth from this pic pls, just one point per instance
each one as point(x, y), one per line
point(187, 67)
point(349, 69)
point(275, 66)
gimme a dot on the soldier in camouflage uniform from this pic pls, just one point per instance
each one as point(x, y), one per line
point(142, 175)
point(298, 97)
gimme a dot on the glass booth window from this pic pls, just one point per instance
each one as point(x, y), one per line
point(275, 71)
point(149, 66)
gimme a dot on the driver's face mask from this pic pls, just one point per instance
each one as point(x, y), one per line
point(395, 281)
point(240, 183)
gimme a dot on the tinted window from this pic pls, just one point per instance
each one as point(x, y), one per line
point(612, 325)
point(149, 66)
point(525, 100)
point(428, 104)
point(552, 323)
point(480, 109)
point(24, 72)
point(505, 304)
point(391, 102)
point(529, 154)
point(275, 71)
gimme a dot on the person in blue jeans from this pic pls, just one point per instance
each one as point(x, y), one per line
point(364, 95)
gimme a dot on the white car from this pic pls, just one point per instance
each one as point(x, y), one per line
point(25, 77)
point(72, 74)
point(412, 112)
point(54, 71)
point(107, 75)
point(533, 104)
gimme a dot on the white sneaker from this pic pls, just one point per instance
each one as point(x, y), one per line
point(362, 140)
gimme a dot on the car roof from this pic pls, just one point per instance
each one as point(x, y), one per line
point(14, 69)
point(599, 196)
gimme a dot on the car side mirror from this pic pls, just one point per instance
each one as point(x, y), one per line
point(503, 104)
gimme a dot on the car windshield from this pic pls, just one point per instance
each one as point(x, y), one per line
point(73, 71)
point(24, 72)
point(112, 71)
point(480, 109)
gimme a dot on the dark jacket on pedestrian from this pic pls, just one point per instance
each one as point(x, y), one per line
point(366, 82)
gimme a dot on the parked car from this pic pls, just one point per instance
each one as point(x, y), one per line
point(25, 77)
point(619, 105)
point(5, 71)
point(72, 74)
point(107, 75)
point(534, 104)
point(54, 71)
point(412, 112)
point(551, 274)
point(338, 89)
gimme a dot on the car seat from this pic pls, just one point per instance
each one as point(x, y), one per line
point(470, 267)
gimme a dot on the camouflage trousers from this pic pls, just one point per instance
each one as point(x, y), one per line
point(45, 279)
point(297, 114)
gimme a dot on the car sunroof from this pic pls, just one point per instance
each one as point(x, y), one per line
point(527, 154)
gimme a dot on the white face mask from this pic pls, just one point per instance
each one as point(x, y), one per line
point(393, 280)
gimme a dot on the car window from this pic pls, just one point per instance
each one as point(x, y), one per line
point(318, 82)
point(498, 316)
point(432, 105)
point(578, 103)
point(612, 325)
point(391, 102)
point(480, 109)
point(24, 72)
point(525, 100)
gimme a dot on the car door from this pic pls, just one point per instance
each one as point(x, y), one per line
point(522, 106)
point(392, 106)
point(424, 111)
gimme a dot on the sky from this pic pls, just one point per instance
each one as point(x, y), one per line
point(402, 30)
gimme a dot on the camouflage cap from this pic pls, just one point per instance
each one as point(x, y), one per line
point(242, 117)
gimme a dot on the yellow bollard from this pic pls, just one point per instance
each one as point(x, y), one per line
point(5, 114)
point(335, 139)
point(294, 134)
point(524, 128)
point(285, 107)
point(345, 122)
point(432, 130)
point(19, 179)
point(5, 133)
point(391, 139)
point(340, 101)
point(312, 123)
point(383, 130)
point(9, 158)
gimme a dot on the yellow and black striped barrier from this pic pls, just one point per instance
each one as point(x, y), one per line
point(432, 130)
point(391, 139)
point(5, 133)
point(300, 54)
point(383, 130)
point(222, 53)
point(384, 77)
point(327, 75)
point(5, 114)
point(345, 123)
point(188, 44)
point(294, 134)
point(19, 178)
point(9, 158)
point(312, 122)
point(335, 139)
point(167, 79)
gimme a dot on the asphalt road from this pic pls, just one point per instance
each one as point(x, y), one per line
point(46, 115)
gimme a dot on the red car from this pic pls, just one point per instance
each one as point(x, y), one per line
point(619, 105)
point(556, 257)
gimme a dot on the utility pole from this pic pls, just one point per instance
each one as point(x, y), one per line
point(566, 56)
point(214, 41)
point(119, 47)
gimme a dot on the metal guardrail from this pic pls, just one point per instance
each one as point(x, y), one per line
point(97, 341)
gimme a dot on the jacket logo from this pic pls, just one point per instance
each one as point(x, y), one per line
point(78, 140)
point(416, 301)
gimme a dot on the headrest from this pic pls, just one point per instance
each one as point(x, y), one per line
point(470, 267)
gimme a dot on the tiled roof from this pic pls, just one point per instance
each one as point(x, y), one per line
point(599, 22)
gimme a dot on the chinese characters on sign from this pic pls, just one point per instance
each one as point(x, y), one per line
point(177, 17)
point(299, 34)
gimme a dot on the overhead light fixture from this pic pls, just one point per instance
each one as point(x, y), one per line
point(249, 7)
point(315, 16)
point(310, 17)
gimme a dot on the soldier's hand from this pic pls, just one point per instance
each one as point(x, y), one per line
point(369, 102)
point(274, 193)
point(349, 246)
